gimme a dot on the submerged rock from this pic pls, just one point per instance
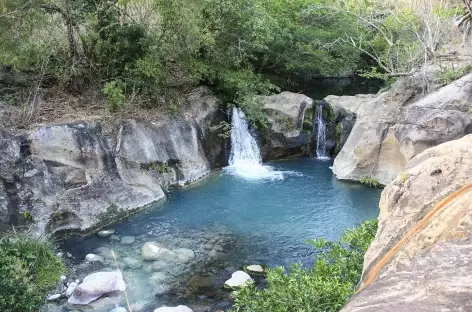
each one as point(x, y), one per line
point(96, 285)
point(154, 252)
point(238, 279)
point(199, 284)
point(184, 255)
point(180, 308)
point(105, 233)
point(93, 258)
point(159, 265)
point(132, 263)
point(127, 240)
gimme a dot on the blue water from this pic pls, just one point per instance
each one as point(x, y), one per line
point(229, 222)
point(271, 219)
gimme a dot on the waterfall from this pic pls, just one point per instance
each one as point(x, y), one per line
point(321, 135)
point(244, 149)
point(245, 159)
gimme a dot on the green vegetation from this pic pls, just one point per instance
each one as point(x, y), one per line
point(369, 181)
point(403, 177)
point(150, 50)
point(325, 287)
point(29, 269)
point(450, 73)
point(157, 167)
point(223, 129)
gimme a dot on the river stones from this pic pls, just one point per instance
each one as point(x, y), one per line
point(158, 277)
point(96, 285)
point(105, 233)
point(238, 279)
point(127, 240)
point(154, 252)
point(71, 288)
point(184, 255)
point(180, 308)
point(132, 263)
point(93, 258)
point(159, 265)
point(198, 284)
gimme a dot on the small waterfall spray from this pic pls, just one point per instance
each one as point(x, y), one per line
point(321, 135)
point(245, 158)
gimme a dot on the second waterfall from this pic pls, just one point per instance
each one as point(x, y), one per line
point(321, 134)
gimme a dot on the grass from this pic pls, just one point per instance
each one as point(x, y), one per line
point(448, 74)
point(29, 268)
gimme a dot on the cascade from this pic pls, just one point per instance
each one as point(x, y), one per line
point(245, 158)
point(321, 134)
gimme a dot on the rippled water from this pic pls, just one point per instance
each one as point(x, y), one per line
point(254, 221)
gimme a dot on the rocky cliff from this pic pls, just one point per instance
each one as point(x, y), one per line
point(420, 258)
point(287, 136)
point(76, 177)
point(392, 127)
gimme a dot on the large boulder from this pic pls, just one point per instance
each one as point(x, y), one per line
point(420, 258)
point(393, 127)
point(96, 285)
point(180, 308)
point(286, 112)
point(77, 177)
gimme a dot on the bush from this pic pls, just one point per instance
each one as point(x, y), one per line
point(369, 181)
point(325, 287)
point(29, 268)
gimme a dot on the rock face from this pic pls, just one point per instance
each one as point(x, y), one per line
point(76, 177)
point(96, 285)
point(286, 112)
point(420, 258)
point(393, 127)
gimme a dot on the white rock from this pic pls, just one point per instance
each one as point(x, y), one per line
point(54, 297)
point(153, 252)
point(180, 308)
point(96, 285)
point(71, 288)
point(93, 258)
point(63, 277)
point(105, 233)
point(119, 309)
point(255, 268)
point(238, 279)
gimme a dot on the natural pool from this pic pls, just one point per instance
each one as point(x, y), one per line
point(228, 222)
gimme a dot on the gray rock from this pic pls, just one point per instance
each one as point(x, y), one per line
point(154, 252)
point(198, 284)
point(286, 112)
point(184, 255)
point(96, 285)
point(128, 240)
point(393, 127)
point(158, 277)
point(79, 176)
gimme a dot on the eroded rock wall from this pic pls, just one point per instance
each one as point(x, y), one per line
point(420, 258)
point(76, 177)
point(392, 127)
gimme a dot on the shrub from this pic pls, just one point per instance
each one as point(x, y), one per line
point(448, 74)
point(325, 287)
point(369, 181)
point(114, 91)
point(29, 268)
